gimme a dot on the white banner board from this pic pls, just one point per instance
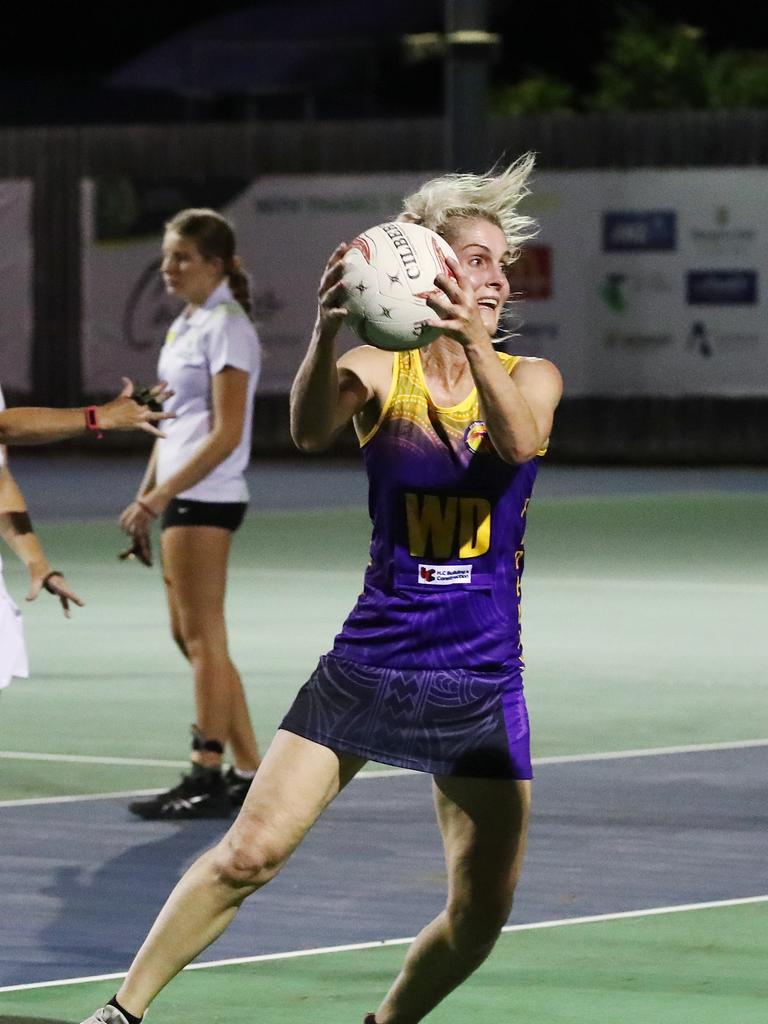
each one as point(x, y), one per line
point(650, 282)
point(16, 322)
point(639, 283)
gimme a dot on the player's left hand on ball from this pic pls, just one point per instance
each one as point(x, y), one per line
point(455, 303)
point(56, 584)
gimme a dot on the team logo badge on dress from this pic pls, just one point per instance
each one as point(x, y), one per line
point(476, 437)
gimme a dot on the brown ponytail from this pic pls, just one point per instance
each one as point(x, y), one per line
point(239, 284)
point(214, 237)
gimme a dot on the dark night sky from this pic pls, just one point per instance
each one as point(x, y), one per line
point(82, 42)
point(94, 38)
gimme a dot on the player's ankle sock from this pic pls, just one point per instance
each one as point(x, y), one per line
point(130, 1017)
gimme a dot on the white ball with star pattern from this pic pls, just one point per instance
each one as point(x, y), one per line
point(389, 270)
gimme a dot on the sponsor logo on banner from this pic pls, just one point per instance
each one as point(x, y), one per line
point(705, 340)
point(639, 230)
point(721, 236)
point(618, 290)
point(721, 287)
point(444, 575)
point(530, 276)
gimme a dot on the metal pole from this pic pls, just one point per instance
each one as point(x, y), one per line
point(468, 50)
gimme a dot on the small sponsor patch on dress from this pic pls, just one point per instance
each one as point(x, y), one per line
point(444, 575)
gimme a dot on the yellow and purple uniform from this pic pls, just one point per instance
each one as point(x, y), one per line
point(427, 669)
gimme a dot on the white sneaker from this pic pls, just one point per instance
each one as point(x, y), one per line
point(106, 1015)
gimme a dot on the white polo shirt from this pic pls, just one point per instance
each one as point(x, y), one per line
point(196, 348)
point(13, 653)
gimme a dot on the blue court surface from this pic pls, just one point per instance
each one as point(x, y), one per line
point(81, 880)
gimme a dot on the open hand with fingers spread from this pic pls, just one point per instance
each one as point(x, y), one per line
point(131, 411)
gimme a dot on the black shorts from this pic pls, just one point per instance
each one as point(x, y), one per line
point(228, 515)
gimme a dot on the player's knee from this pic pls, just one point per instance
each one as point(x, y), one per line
point(247, 863)
point(475, 924)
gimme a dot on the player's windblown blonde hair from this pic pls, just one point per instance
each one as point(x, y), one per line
point(494, 197)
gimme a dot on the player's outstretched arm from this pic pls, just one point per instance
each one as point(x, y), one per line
point(40, 425)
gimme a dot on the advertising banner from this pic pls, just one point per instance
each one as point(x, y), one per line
point(16, 323)
point(649, 282)
point(639, 282)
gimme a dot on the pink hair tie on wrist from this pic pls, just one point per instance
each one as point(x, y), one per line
point(145, 508)
point(92, 421)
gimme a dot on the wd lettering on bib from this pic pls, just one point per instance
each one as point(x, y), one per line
point(447, 526)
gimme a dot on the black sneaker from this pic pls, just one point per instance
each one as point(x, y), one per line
point(196, 796)
point(237, 787)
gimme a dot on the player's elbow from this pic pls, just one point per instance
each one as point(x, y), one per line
point(516, 456)
point(307, 441)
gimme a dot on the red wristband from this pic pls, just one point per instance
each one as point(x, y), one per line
point(92, 421)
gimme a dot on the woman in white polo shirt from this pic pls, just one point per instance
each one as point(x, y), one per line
point(194, 482)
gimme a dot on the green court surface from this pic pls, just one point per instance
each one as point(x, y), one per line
point(705, 966)
point(644, 626)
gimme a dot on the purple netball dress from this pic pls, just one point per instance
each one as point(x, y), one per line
point(426, 672)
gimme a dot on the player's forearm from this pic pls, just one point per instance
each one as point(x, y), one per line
point(149, 479)
point(37, 425)
point(315, 395)
point(216, 447)
point(17, 532)
point(15, 524)
point(511, 424)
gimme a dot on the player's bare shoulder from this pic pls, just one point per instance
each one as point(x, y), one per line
point(533, 371)
point(372, 366)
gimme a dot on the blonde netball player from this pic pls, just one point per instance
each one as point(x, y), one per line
point(427, 669)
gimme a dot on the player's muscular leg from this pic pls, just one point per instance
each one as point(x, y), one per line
point(296, 782)
point(484, 826)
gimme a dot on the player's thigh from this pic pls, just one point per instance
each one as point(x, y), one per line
point(195, 568)
point(484, 825)
point(296, 781)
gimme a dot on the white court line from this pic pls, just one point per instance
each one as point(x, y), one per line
point(383, 773)
point(131, 762)
point(380, 943)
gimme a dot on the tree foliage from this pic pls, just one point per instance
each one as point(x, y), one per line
point(650, 64)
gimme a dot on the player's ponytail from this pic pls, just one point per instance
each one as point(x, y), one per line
point(239, 283)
